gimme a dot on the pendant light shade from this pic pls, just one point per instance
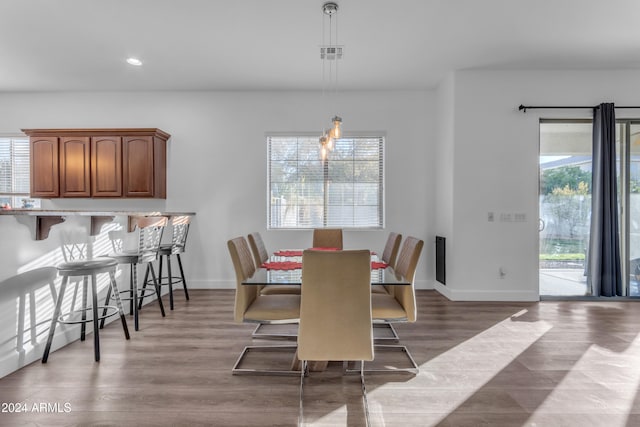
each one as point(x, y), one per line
point(330, 54)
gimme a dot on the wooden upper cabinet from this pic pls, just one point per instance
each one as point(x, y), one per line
point(98, 162)
point(138, 166)
point(44, 166)
point(144, 163)
point(75, 180)
point(106, 166)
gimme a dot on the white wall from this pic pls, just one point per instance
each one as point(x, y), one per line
point(495, 169)
point(445, 119)
point(217, 168)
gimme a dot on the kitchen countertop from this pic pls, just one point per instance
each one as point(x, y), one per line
point(40, 221)
point(66, 212)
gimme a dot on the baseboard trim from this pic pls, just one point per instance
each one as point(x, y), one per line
point(488, 295)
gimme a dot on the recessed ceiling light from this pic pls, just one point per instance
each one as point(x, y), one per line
point(134, 61)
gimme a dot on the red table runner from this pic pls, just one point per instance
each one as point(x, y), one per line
point(299, 252)
point(292, 265)
point(376, 265)
point(282, 265)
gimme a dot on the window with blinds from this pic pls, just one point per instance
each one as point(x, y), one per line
point(345, 191)
point(14, 173)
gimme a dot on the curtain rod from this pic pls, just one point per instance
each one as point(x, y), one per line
point(524, 108)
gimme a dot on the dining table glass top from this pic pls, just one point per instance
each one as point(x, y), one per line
point(292, 275)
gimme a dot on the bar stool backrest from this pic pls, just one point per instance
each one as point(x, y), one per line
point(150, 236)
point(180, 226)
point(74, 251)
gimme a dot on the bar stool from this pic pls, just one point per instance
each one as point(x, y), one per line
point(150, 235)
point(85, 268)
point(180, 230)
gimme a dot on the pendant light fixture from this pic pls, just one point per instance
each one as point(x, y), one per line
point(330, 54)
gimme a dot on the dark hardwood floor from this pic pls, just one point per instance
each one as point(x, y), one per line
point(482, 364)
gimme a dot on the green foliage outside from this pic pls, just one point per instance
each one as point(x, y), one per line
point(570, 176)
point(562, 257)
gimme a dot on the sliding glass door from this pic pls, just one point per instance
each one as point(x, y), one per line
point(565, 205)
point(632, 221)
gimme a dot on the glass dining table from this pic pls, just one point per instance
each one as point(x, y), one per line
point(287, 270)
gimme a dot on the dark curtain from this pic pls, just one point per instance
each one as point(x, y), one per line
point(604, 271)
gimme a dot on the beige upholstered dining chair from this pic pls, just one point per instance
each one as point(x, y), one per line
point(327, 238)
point(389, 255)
point(335, 311)
point(390, 252)
point(399, 305)
point(250, 306)
point(260, 255)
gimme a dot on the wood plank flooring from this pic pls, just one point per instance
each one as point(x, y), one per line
point(551, 363)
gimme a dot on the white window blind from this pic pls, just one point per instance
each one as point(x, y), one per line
point(345, 191)
point(14, 172)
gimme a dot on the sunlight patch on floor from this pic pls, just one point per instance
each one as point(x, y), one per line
point(612, 377)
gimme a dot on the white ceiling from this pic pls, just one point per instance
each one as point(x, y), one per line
point(55, 45)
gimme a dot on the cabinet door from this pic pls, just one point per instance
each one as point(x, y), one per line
point(44, 166)
point(75, 177)
point(106, 166)
point(137, 163)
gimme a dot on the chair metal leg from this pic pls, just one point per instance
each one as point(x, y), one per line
point(106, 301)
point(364, 394)
point(83, 326)
point(54, 319)
point(303, 372)
point(158, 290)
point(144, 286)
point(116, 295)
point(264, 348)
point(94, 309)
point(134, 295)
point(382, 339)
point(170, 279)
point(131, 277)
point(184, 281)
point(414, 369)
point(256, 334)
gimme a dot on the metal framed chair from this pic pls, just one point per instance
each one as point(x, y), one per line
point(179, 232)
point(389, 255)
point(399, 305)
point(327, 238)
point(85, 268)
point(260, 255)
point(335, 312)
point(252, 307)
point(149, 237)
point(391, 248)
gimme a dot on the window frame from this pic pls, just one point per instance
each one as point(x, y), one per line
point(381, 205)
point(17, 197)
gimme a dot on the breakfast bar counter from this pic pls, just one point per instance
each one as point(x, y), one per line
point(40, 221)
